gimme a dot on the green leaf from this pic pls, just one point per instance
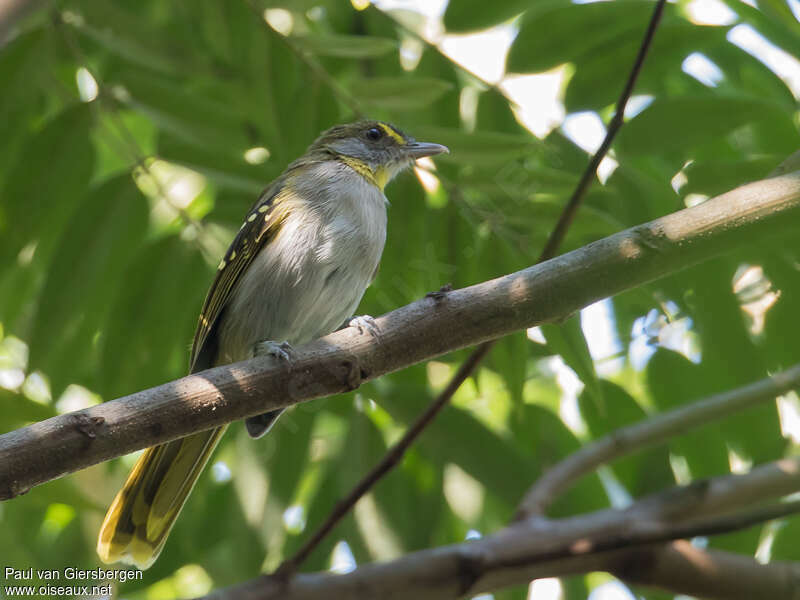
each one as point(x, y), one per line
point(227, 170)
point(574, 587)
point(549, 441)
point(783, 32)
point(118, 42)
point(515, 592)
point(16, 410)
point(22, 100)
point(326, 488)
point(494, 113)
point(719, 321)
point(747, 75)
point(638, 195)
point(345, 46)
point(567, 340)
point(540, 46)
point(364, 446)
point(674, 381)
point(400, 93)
point(781, 351)
point(470, 15)
point(713, 177)
point(675, 125)
point(82, 279)
point(480, 147)
point(289, 446)
point(598, 78)
point(188, 114)
point(509, 359)
point(784, 546)
point(198, 539)
point(395, 496)
point(642, 473)
point(150, 324)
point(453, 437)
point(34, 207)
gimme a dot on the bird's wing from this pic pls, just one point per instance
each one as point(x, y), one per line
point(260, 226)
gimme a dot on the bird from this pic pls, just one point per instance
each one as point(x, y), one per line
point(296, 270)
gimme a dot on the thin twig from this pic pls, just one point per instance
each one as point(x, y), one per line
point(567, 216)
point(571, 208)
point(389, 460)
point(649, 433)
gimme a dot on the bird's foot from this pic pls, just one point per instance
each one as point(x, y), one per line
point(281, 351)
point(439, 294)
point(365, 323)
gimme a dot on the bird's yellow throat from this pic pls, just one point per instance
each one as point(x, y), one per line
point(378, 177)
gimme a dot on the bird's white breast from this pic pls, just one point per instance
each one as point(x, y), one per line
point(311, 276)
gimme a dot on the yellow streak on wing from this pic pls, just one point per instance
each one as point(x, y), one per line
point(241, 251)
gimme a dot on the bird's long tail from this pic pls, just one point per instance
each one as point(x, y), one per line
point(145, 509)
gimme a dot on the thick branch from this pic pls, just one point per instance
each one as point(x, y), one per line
point(684, 569)
point(539, 548)
point(549, 291)
point(650, 432)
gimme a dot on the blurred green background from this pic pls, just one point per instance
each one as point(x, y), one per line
point(136, 134)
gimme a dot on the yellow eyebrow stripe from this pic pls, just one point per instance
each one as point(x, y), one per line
point(392, 133)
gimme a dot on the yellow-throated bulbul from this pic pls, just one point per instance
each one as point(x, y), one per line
point(296, 270)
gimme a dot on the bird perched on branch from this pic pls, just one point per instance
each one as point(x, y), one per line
point(296, 271)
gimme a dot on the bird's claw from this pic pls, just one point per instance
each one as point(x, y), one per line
point(281, 351)
point(439, 294)
point(365, 323)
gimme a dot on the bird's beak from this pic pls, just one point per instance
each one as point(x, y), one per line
point(421, 149)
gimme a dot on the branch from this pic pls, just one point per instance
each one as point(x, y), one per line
point(535, 548)
point(429, 327)
point(649, 433)
point(711, 574)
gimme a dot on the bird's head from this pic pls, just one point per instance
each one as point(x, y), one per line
point(375, 149)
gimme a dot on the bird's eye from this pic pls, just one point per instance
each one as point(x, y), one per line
point(374, 134)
